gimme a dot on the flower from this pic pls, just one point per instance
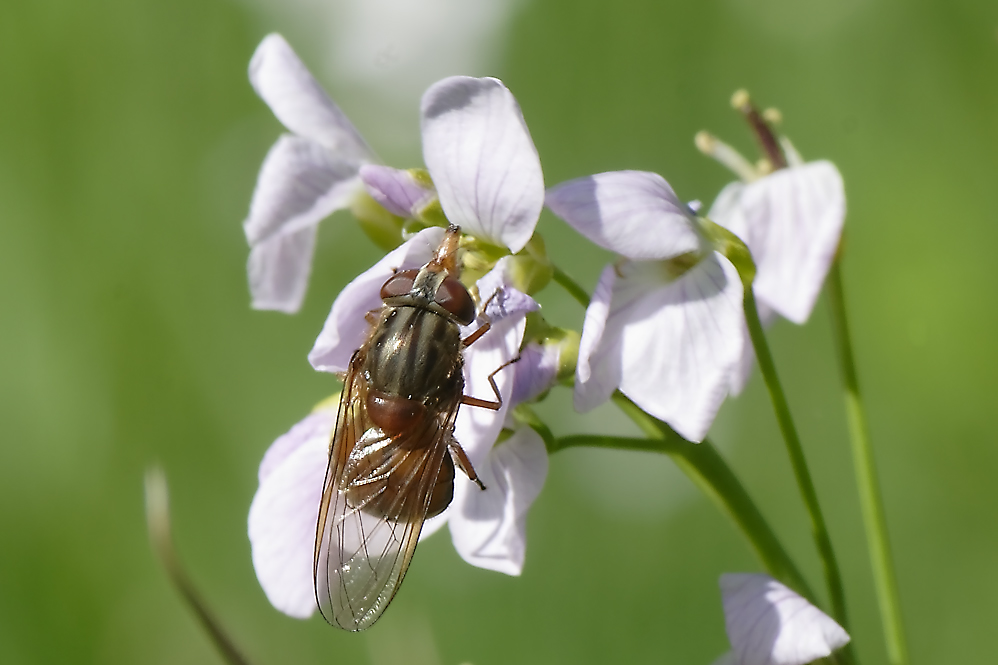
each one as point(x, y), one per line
point(481, 162)
point(790, 218)
point(307, 175)
point(665, 324)
point(769, 624)
point(487, 528)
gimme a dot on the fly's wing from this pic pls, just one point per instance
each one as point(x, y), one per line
point(361, 555)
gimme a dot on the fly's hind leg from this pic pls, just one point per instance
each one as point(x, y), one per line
point(462, 462)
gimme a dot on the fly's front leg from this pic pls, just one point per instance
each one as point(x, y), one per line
point(486, 324)
point(462, 462)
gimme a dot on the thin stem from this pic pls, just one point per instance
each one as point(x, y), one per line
point(866, 477)
point(818, 528)
point(158, 523)
point(571, 286)
point(707, 469)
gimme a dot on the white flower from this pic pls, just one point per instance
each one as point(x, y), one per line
point(768, 624)
point(476, 146)
point(791, 220)
point(306, 176)
point(665, 325)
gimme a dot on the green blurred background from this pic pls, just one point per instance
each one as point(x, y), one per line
point(129, 145)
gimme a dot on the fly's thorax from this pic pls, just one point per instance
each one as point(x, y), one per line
point(415, 353)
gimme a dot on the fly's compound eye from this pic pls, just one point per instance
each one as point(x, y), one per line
point(399, 284)
point(452, 296)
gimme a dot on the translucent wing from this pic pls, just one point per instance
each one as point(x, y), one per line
point(377, 493)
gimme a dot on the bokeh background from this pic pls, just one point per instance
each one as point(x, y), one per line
point(129, 145)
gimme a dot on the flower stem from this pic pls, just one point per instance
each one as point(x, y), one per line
point(158, 523)
point(571, 286)
point(866, 476)
point(804, 483)
point(703, 464)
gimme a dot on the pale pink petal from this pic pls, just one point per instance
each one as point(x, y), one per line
point(675, 341)
point(769, 624)
point(318, 424)
point(477, 428)
point(792, 221)
point(283, 516)
point(482, 160)
point(633, 213)
point(346, 326)
point(299, 185)
point(299, 102)
point(396, 190)
point(535, 371)
point(598, 371)
point(279, 268)
point(489, 527)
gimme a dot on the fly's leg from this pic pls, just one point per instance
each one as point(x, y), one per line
point(462, 462)
point(487, 403)
point(486, 324)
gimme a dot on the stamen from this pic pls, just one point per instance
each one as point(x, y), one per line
point(760, 125)
point(712, 146)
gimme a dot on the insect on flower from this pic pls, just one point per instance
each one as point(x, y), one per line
point(393, 452)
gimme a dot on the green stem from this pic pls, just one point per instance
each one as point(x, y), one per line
point(160, 535)
point(571, 286)
point(866, 477)
point(707, 469)
point(818, 528)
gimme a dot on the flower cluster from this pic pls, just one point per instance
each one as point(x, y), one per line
point(666, 324)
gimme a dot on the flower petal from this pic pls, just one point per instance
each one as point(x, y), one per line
point(489, 527)
point(633, 213)
point(279, 268)
point(673, 343)
point(346, 326)
point(792, 222)
point(477, 428)
point(299, 185)
point(299, 102)
point(318, 424)
point(284, 512)
point(482, 159)
point(769, 624)
point(535, 371)
point(598, 371)
point(396, 190)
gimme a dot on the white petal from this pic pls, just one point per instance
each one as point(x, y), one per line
point(726, 659)
point(792, 222)
point(598, 371)
point(396, 190)
point(746, 363)
point(502, 299)
point(482, 159)
point(282, 522)
point(535, 371)
point(299, 102)
point(279, 268)
point(299, 185)
point(318, 424)
point(346, 326)
point(769, 624)
point(489, 527)
point(633, 213)
point(676, 342)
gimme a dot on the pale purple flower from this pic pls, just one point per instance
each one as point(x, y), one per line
point(769, 624)
point(791, 220)
point(479, 155)
point(488, 528)
point(307, 175)
point(665, 324)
